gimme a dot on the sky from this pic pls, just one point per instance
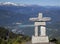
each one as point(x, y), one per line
point(35, 2)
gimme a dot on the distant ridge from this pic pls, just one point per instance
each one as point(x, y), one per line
point(11, 3)
point(17, 4)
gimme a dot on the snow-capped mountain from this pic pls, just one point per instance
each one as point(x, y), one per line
point(7, 3)
point(10, 3)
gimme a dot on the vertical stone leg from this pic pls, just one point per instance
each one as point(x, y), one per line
point(43, 31)
point(36, 30)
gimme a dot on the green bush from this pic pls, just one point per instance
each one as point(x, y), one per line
point(8, 37)
point(58, 42)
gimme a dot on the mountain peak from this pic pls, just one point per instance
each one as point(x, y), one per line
point(10, 3)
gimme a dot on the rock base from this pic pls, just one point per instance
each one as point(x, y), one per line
point(40, 39)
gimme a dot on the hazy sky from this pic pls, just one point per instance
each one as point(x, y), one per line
point(37, 2)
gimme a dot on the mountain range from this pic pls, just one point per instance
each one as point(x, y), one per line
point(16, 17)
